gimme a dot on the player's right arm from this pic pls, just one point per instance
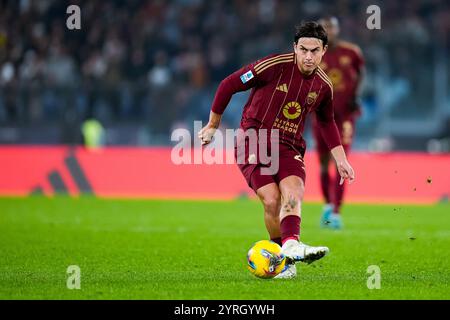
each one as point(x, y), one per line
point(240, 80)
point(252, 75)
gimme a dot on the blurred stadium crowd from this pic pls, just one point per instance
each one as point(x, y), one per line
point(143, 68)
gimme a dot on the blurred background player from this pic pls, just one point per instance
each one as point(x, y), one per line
point(344, 65)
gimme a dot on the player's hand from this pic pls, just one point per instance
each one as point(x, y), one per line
point(207, 133)
point(345, 171)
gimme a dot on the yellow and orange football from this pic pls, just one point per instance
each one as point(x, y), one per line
point(265, 259)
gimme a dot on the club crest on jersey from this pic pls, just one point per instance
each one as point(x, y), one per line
point(336, 78)
point(292, 110)
point(312, 96)
point(246, 77)
point(344, 60)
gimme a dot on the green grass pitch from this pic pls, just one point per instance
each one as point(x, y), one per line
point(136, 249)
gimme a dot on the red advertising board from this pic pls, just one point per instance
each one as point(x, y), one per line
point(151, 173)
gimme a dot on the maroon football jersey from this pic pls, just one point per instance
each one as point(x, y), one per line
point(343, 64)
point(281, 98)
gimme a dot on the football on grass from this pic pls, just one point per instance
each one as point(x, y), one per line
point(265, 259)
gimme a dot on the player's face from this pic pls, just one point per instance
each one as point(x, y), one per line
point(309, 52)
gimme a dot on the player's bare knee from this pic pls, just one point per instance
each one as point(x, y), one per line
point(271, 204)
point(272, 216)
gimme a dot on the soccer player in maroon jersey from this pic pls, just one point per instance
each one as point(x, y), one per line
point(344, 65)
point(285, 89)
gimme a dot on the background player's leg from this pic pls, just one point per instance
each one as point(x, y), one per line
point(325, 179)
point(325, 176)
point(271, 200)
point(324, 159)
point(335, 220)
point(346, 130)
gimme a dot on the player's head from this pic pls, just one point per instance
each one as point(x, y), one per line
point(310, 44)
point(331, 26)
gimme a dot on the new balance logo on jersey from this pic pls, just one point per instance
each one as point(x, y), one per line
point(283, 87)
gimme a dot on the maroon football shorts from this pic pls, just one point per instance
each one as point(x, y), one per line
point(290, 163)
point(346, 129)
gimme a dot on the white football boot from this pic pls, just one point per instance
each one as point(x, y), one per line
point(289, 272)
point(298, 251)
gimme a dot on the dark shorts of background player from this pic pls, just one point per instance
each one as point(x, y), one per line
point(291, 163)
point(346, 129)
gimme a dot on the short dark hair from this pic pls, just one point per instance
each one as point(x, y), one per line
point(311, 29)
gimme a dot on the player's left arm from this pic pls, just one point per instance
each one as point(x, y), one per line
point(330, 133)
